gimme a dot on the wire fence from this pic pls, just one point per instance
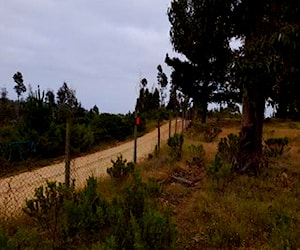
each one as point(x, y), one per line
point(14, 190)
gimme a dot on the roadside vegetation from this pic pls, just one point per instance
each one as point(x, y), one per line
point(33, 128)
point(187, 198)
point(230, 181)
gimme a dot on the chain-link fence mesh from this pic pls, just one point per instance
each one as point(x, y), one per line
point(14, 190)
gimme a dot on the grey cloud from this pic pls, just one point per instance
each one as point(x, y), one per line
point(101, 48)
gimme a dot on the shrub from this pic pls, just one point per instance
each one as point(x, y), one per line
point(135, 195)
point(198, 155)
point(228, 149)
point(157, 231)
point(26, 239)
point(120, 169)
point(175, 143)
point(219, 169)
point(47, 207)
point(226, 158)
point(276, 146)
point(138, 224)
point(67, 216)
point(66, 219)
point(86, 215)
point(153, 188)
point(209, 131)
point(82, 139)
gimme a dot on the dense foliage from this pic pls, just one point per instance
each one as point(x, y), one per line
point(265, 67)
point(67, 219)
point(34, 127)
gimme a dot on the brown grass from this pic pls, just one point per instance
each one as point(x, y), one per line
point(238, 212)
point(234, 212)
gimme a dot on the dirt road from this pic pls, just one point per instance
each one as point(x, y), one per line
point(16, 189)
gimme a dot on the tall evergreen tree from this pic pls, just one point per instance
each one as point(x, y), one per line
point(269, 31)
point(199, 30)
point(20, 87)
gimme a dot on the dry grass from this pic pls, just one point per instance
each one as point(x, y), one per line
point(239, 212)
point(235, 212)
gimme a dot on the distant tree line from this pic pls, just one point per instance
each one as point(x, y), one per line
point(34, 126)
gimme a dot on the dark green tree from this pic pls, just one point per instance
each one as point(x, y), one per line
point(7, 108)
point(148, 101)
point(269, 32)
point(199, 31)
point(67, 96)
point(20, 88)
point(4, 94)
point(173, 104)
point(50, 98)
point(162, 82)
point(37, 114)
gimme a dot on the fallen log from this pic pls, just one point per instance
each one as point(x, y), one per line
point(182, 180)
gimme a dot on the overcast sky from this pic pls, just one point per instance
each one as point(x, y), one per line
point(100, 48)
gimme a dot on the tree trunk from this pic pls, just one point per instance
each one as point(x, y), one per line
point(204, 101)
point(204, 112)
point(250, 144)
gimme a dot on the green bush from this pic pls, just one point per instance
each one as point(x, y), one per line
point(175, 143)
point(226, 158)
point(220, 169)
point(47, 209)
point(68, 216)
point(153, 188)
point(228, 149)
point(86, 215)
point(138, 222)
point(66, 219)
point(82, 139)
point(120, 169)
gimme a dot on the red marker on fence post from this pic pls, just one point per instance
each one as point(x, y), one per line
point(137, 121)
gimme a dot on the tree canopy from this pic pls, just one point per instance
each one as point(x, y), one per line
point(265, 67)
point(200, 31)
